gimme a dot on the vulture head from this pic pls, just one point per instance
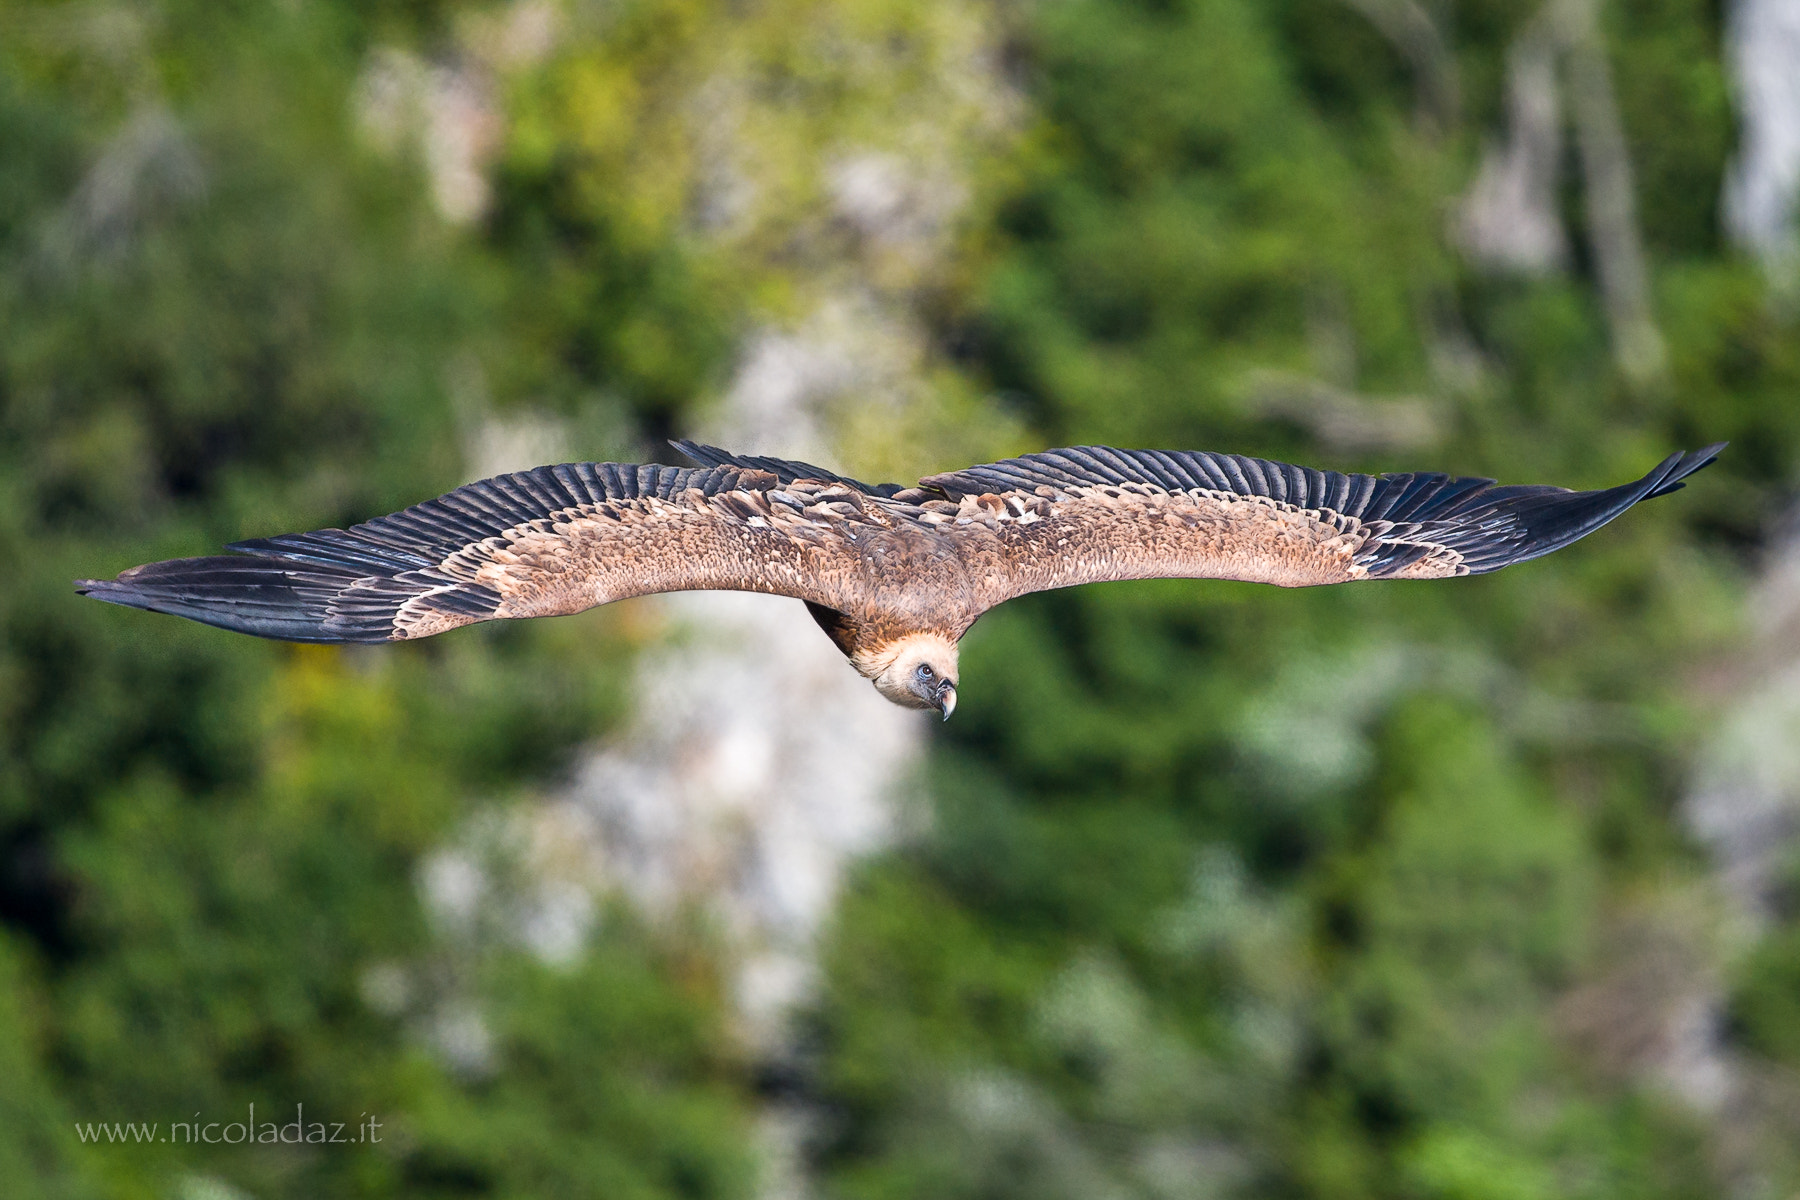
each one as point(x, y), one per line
point(921, 674)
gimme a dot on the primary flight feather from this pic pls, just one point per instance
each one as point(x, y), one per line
point(895, 575)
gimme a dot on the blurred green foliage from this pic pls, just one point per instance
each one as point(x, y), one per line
point(224, 313)
point(1286, 892)
point(1226, 890)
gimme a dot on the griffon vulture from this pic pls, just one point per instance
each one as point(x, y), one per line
point(894, 575)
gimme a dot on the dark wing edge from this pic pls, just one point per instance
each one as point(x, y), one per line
point(1501, 526)
point(279, 599)
point(1411, 516)
point(350, 585)
point(784, 470)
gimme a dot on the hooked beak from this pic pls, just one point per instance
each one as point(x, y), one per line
point(946, 698)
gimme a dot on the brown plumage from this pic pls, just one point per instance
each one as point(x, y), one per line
point(894, 575)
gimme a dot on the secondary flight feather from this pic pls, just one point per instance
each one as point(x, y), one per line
point(894, 575)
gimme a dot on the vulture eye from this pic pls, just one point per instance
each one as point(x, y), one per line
point(925, 672)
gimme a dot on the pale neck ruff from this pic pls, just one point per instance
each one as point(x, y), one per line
point(873, 662)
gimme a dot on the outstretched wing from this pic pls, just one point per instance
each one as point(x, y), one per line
point(538, 543)
point(1093, 513)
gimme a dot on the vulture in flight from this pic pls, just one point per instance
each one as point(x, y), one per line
point(894, 575)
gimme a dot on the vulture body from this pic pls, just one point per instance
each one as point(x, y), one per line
point(895, 575)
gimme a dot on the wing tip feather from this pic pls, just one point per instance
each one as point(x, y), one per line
point(1678, 467)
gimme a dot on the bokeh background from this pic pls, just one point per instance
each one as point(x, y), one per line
point(1477, 890)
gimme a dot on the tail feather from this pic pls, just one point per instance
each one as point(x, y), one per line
point(785, 470)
